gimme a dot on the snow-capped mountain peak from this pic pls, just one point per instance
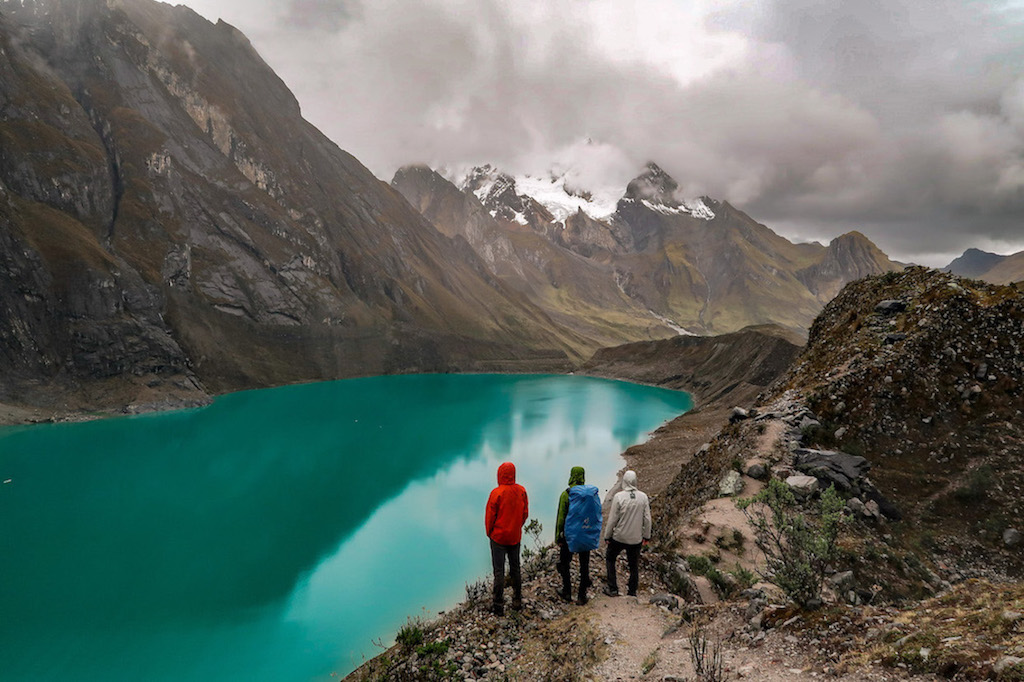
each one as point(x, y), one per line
point(658, 191)
point(561, 194)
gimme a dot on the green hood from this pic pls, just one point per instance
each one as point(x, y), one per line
point(576, 476)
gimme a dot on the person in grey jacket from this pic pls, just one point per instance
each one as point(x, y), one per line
point(628, 528)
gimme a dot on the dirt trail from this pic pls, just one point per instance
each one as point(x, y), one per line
point(645, 642)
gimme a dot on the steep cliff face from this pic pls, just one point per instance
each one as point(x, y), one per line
point(169, 212)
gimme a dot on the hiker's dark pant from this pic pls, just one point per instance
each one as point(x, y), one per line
point(632, 558)
point(498, 554)
point(564, 559)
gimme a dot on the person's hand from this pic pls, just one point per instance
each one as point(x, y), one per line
point(645, 542)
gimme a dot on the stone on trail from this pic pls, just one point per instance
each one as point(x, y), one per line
point(757, 471)
point(665, 599)
point(731, 484)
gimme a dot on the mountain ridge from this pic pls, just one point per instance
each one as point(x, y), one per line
point(699, 265)
point(991, 267)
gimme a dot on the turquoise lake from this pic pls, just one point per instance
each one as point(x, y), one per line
point(275, 534)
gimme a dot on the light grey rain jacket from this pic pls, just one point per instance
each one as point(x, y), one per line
point(629, 519)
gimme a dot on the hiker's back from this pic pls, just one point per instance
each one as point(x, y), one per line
point(583, 520)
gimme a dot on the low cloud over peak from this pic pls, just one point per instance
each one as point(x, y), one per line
point(900, 118)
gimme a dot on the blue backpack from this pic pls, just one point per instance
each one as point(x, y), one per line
point(583, 520)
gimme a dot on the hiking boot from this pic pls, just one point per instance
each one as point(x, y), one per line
point(631, 594)
point(517, 604)
point(498, 609)
point(582, 600)
point(565, 595)
point(610, 592)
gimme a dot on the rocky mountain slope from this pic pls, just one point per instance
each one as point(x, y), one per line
point(991, 267)
point(918, 377)
point(171, 224)
point(730, 368)
point(658, 263)
point(1010, 269)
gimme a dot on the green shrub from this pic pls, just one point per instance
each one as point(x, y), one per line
point(434, 648)
point(699, 564)
point(798, 547)
point(976, 487)
point(745, 577)
point(411, 634)
point(703, 565)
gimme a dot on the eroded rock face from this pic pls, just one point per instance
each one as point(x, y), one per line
point(166, 209)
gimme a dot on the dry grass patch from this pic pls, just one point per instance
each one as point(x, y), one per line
point(973, 632)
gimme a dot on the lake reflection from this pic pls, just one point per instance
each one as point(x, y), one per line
point(274, 534)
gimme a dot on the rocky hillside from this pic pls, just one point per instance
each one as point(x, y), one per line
point(716, 369)
point(170, 223)
point(644, 263)
point(917, 380)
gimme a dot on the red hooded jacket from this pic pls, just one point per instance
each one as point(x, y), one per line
point(507, 508)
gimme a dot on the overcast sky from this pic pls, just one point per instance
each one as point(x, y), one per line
point(900, 118)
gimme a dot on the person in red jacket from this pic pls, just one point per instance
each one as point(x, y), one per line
point(507, 511)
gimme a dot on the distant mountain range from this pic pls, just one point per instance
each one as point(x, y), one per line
point(645, 264)
point(991, 267)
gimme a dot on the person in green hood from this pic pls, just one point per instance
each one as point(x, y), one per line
point(576, 477)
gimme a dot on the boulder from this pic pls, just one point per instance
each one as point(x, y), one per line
point(731, 484)
point(855, 505)
point(758, 471)
point(802, 485)
point(1011, 537)
point(809, 423)
point(738, 414)
point(838, 468)
point(893, 338)
point(842, 582)
point(890, 307)
point(840, 432)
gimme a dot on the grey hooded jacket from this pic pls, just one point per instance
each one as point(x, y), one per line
point(629, 519)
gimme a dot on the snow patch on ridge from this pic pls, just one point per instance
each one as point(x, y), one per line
point(694, 207)
point(557, 194)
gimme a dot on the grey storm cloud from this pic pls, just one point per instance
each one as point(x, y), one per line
point(901, 118)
